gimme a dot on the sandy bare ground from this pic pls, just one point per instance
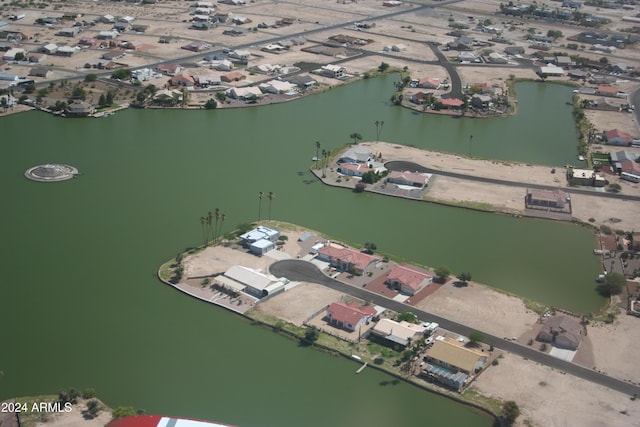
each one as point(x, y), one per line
point(481, 308)
point(585, 207)
point(549, 398)
point(614, 346)
point(76, 419)
point(300, 303)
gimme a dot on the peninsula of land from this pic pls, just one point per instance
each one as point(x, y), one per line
point(230, 273)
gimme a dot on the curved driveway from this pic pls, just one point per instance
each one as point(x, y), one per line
point(305, 271)
point(404, 166)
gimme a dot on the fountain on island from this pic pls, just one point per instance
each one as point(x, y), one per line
point(51, 173)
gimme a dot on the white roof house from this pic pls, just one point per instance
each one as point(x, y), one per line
point(551, 70)
point(50, 48)
point(11, 53)
point(398, 332)
point(259, 233)
point(276, 86)
point(257, 284)
point(243, 92)
point(221, 65)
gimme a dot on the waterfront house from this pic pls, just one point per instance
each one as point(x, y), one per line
point(347, 259)
point(413, 179)
point(79, 108)
point(451, 103)
point(429, 83)
point(356, 154)
point(350, 317)
point(550, 200)
point(617, 137)
point(408, 279)
point(277, 86)
point(333, 71)
point(420, 97)
point(244, 93)
point(550, 70)
point(481, 101)
point(604, 104)
point(401, 333)
point(354, 169)
point(251, 281)
point(452, 364)
point(562, 332)
point(302, 82)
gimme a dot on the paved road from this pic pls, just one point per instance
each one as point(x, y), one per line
point(305, 271)
point(402, 165)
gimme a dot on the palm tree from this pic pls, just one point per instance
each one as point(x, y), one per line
point(221, 221)
point(325, 155)
point(470, 139)
point(215, 230)
point(317, 152)
point(356, 137)
point(379, 125)
point(271, 195)
point(205, 231)
point(260, 196)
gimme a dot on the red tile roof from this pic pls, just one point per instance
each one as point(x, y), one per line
point(408, 276)
point(630, 166)
point(350, 256)
point(617, 133)
point(607, 89)
point(451, 102)
point(351, 313)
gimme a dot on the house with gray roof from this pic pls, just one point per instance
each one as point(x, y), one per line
point(562, 332)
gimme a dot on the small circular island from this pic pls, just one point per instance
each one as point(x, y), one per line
point(51, 173)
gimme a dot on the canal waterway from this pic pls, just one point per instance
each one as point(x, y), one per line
point(79, 257)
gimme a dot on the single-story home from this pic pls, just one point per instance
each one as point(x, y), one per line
point(255, 283)
point(455, 359)
point(169, 69)
point(408, 279)
point(617, 137)
point(402, 333)
point(234, 76)
point(451, 103)
point(347, 259)
point(562, 331)
point(604, 90)
point(181, 80)
point(355, 169)
point(277, 86)
point(244, 92)
point(349, 316)
point(546, 199)
point(40, 72)
point(429, 83)
point(481, 101)
point(413, 179)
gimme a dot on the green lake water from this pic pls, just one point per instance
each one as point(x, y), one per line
point(80, 257)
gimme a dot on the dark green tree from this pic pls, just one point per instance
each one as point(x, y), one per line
point(510, 412)
point(211, 104)
point(442, 273)
point(407, 316)
point(90, 78)
point(311, 334)
point(123, 411)
point(464, 277)
point(475, 338)
point(356, 137)
point(383, 67)
point(317, 153)
point(271, 196)
point(612, 285)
